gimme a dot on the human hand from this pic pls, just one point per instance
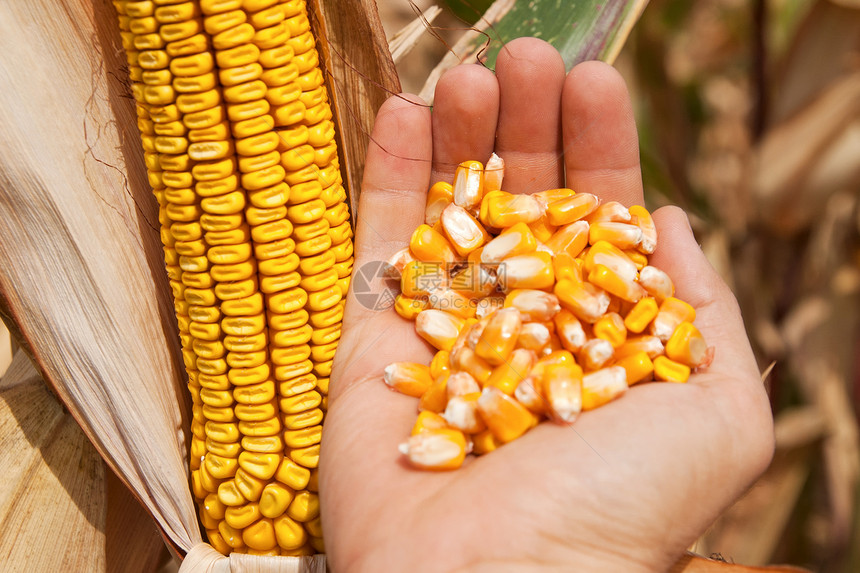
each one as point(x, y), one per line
point(626, 487)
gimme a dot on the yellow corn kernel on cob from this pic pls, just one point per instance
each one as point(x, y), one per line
point(239, 143)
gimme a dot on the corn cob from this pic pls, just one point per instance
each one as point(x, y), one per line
point(238, 140)
point(568, 315)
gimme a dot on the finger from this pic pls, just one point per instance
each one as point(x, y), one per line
point(396, 177)
point(465, 112)
point(531, 75)
point(601, 148)
point(696, 282)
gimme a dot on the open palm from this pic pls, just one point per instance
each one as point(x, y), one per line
point(626, 487)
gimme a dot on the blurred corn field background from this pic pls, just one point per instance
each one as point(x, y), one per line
point(749, 118)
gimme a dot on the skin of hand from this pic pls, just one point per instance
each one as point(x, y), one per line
point(628, 486)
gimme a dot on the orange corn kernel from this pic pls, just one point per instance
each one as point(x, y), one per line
point(439, 328)
point(439, 364)
point(499, 336)
point(602, 386)
point(394, 266)
point(672, 313)
point(515, 240)
point(533, 304)
point(541, 229)
point(610, 327)
point(436, 397)
point(489, 305)
point(569, 330)
point(408, 378)
point(508, 375)
point(651, 345)
point(534, 336)
point(484, 442)
point(687, 346)
point(622, 235)
point(552, 195)
point(468, 184)
point(562, 387)
point(641, 315)
point(409, 308)
point(656, 283)
point(567, 267)
point(610, 211)
point(610, 281)
point(570, 209)
point(595, 354)
point(440, 195)
point(429, 245)
point(419, 278)
point(607, 254)
point(638, 367)
point(668, 370)
point(461, 383)
point(494, 173)
point(526, 394)
point(530, 271)
point(441, 449)
point(642, 219)
point(462, 413)
point(506, 418)
point(462, 230)
point(452, 301)
point(428, 421)
point(474, 281)
point(570, 239)
point(500, 209)
point(585, 300)
point(466, 360)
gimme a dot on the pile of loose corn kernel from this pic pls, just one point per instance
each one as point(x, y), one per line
point(540, 306)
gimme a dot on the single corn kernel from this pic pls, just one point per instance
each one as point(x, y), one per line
point(515, 240)
point(466, 360)
point(651, 345)
point(440, 449)
point(484, 442)
point(409, 308)
point(569, 330)
point(562, 388)
point(494, 173)
point(585, 300)
point(428, 421)
point(506, 418)
point(529, 271)
point(570, 239)
point(642, 219)
point(440, 195)
point(439, 364)
point(638, 367)
point(439, 328)
point(610, 327)
point(622, 235)
point(670, 371)
point(656, 283)
point(603, 386)
point(461, 412)
point(610, 256)
point(500, 210)
point(595, 354)
point(571, 208)
point(610, 211)
point(461, 383)
point(687, 346)
point(468, 184)
point(499, 336)
point(508, 375)
point(534, 336)
point(463, 231)
point(640, 316)
point(610, 281)
point(436, 397)
point(408, 378)
point(534, 305)
point(429, 245)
